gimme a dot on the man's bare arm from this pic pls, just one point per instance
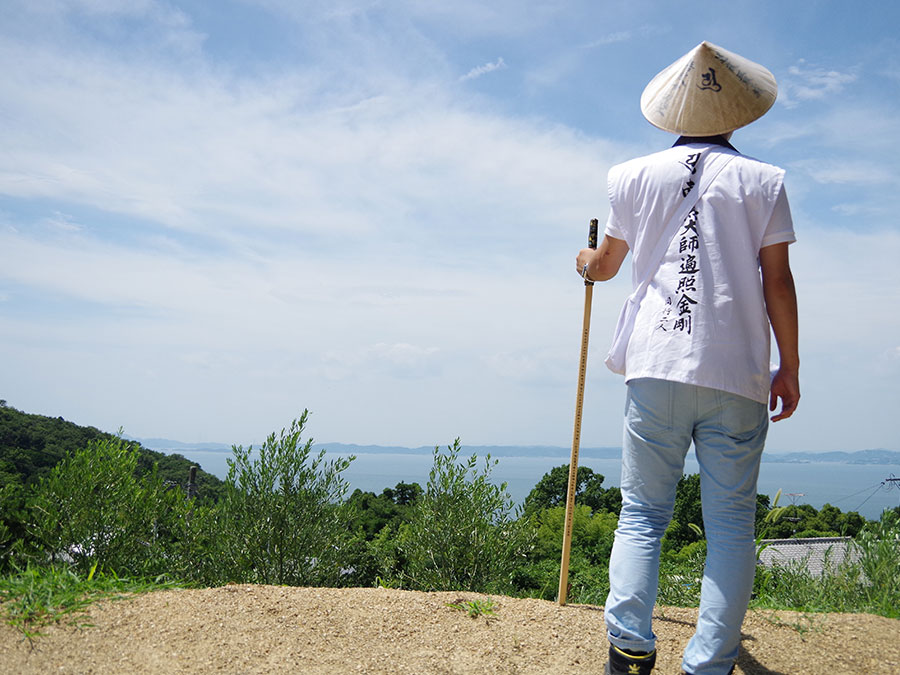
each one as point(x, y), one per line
point(604, 261)
point(781, 306)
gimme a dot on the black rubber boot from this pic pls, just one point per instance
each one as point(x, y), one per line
point(627, 662)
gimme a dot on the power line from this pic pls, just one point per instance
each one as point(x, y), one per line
point(890, 481)
point(876, 486)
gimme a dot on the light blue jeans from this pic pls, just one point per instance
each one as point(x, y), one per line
point(728, 432)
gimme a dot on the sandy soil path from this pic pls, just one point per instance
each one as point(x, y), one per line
point(268, 629)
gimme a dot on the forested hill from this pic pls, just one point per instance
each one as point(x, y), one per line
point(31, 445)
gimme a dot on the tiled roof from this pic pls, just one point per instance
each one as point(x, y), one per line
point(816, 553)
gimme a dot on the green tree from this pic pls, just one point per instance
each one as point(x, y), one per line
point(688, 511)
point(372, 513)
point(552, 490)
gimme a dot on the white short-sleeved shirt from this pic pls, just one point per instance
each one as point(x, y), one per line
point(703, 320)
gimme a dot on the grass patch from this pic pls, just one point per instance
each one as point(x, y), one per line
point(474, 608)
point(38, 596)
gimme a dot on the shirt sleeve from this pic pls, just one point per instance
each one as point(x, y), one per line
point(613, 224)
point(780, 229)
point(612, 227)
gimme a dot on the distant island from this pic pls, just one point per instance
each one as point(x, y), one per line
point(480, 450)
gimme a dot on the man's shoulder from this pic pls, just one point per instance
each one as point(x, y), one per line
point(670, 159)
point(660, 166)
point(659, 157)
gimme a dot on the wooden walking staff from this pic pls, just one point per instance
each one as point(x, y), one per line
point(576, 436)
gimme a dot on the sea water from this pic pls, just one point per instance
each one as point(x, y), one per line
point(850, 487)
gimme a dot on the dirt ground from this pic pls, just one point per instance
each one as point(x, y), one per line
point(269, 629)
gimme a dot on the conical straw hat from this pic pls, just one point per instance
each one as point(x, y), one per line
point(708, 91)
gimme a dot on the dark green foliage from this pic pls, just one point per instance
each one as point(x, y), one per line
point(392, 507)
point(595, 517)
point(879, 547)
point(592, 533)
point(763, 506)
point(174, 470)
point(13, 533)
point(688, 511)
point(603, 500)
point(552, 488)
point(680, 574)
point(376, 521)
point(31, 445)
point(803, 520)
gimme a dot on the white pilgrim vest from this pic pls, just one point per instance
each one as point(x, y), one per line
point(703, 319)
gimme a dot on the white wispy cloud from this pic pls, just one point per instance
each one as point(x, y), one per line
point(812, 83)
point(489, 67)
point(620, 36)
point(226, 157)
point(612, 38)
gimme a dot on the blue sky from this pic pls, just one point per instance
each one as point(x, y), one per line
point(216, 214)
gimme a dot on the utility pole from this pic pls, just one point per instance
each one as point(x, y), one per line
point(893, 481)
point(794, 519)
point(192, 483)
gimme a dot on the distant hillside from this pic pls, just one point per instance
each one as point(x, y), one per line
point(877, 456)
point(873, 456)
point(31, 445)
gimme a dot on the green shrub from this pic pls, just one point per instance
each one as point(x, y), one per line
point(592, 533)
point(680, 575)
point(588, 583)
point(93, 512)
point(282, 519)
point(879, 563)
point(463, 533)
